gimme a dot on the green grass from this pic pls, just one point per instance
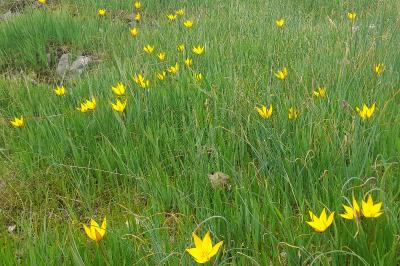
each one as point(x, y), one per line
point(147, 170)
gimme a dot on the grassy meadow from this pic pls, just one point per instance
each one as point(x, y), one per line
point(146, 168)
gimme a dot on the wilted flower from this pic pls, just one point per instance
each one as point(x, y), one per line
point(351, 15)
point(188, 23)
point(188, 61)
point(180, 12)
point(59, 91)
point(161, 75)
point(119, 89)
point(180, 47)
point(198, 50)
point(94, 231)
point(17, 122)
point(102, 12)
point(138, 4)
point(134, 32)
point(140, 80)
point(293, 113)
point(320, 92)
point(321, 223)
point(161, 56)
point(204, 250)
point(379, 68)
point(264, 112)
point(371, 210)
point(171, 17)
point(173, 69)
point(366, 112)
point(119, 106)
point(148, 49)
point(352, 212)
point(281, 74)
point(280, 22)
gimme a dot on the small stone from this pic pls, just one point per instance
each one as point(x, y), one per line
point(11, 228)
point(63, 65)
point(80, 64)
point(218, 179)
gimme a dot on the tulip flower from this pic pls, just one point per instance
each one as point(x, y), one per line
point(180, 12)
point(188, 61)
point(198, 76)
point(119, 106)
point(198, 50)
point(180, 47)
point(119, 89)
point(264, 112)
point(321, 223)
point(281, 73)
point(138, 4)
point(293, 113)
point(59, 91)
point(320, 92)
point(352, 212)
point(188, 23)
point(134, 32)
point(280, 22)
point(371, 210)
point(140, 80)
point(366, 112)
point(171, 17)
point(161, 56)
point(17, 122)
point(378, 69)
point(148, 49)
point(173, 69)
point(102, 12)
point(94, 231)
point(161, 75)
point(351, 15)
point(204, 249)
point(137, 17)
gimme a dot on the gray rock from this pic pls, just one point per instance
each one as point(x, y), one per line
point(80, 64)
point(63, 65)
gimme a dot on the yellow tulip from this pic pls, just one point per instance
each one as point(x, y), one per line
point(119, 106)
point(188, 23)
point(198, 76)
point(17, 122)
point(180, 12)
point(119, 89)
point(293, 113)
point(321, 223)
point(173, 69)
point(42, 2)
point(102, 12)
point(320, 92)
point(59, 91)
point(137, 17)
point(161, 56)
point(198, 50)
point(371, 210)
point(141, 81)
point(378, 69)
point(352, 212)
point(351, 15)
point(180, 47)
point(171, 17)
point(264, 112)
point(280, 22)
point(138, 4)
point(188, 61)
point(134, 32)
point(281, 74)
point(161, 75)
point(94, 231)
point(204, 249)
point(148, 49)
point(366, 112)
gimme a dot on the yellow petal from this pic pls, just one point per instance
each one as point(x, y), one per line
point(215, 249)
point(197, 241)
point(207, 243)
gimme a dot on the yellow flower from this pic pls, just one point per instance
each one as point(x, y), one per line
point(188, 23)
point(161, 75)
point(119, 89)
point(281, 74)
point(42, 2)
point(366, 112)
point(264, 112)
point(140, 80)
point(180, 47)
point(134, 32)
point(161, 56)
point(102, 12)
point(198, 76)
point(351, 15)
point(180, 12)
point(17, 122)
point(320, 92)
point(203, 250)
point(94, 231)
point(280, 22)
point(352, 212)
point(138, 4)
point(188, 61)
point(322, 223)
point(173, 69)
point(171, 17)
point(137, 17)
point(198, 50)
point(87, 105)
point(59, 91)
point(148, 49)
point(293, 113)
point(119, 106)
point(371, 210)
point(378, 68)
